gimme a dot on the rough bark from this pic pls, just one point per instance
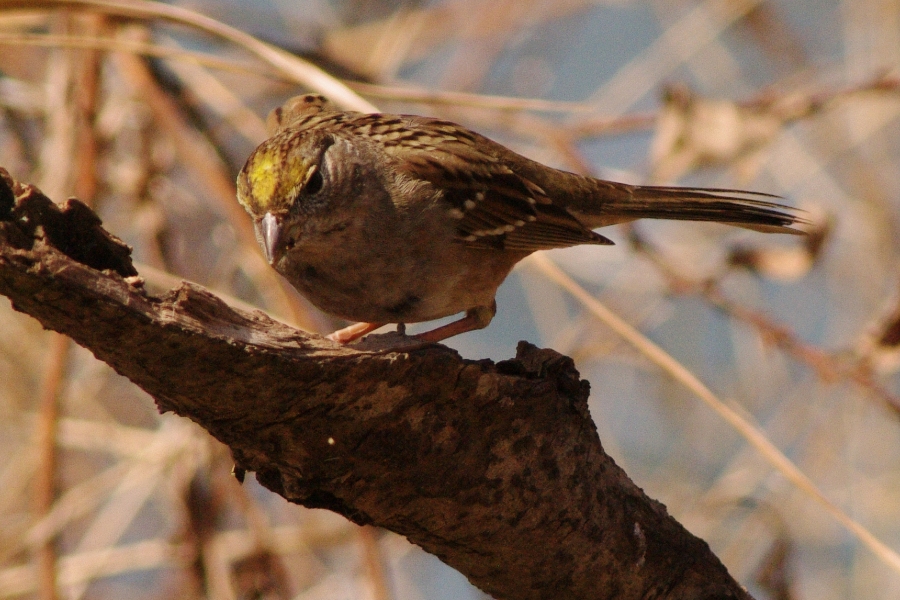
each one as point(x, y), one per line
point(495, 468)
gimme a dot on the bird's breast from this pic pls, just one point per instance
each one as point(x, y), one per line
point(396, 283)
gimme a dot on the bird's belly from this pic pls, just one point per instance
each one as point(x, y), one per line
point(398, 289)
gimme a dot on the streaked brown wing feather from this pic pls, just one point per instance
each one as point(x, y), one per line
point(495, 207)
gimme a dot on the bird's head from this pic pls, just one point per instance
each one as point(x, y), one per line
point(285, 182)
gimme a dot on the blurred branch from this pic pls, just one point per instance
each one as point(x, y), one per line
point(71, 104)
point(115, 44)
point(410, 34)
point(375, 564)
point(404, 92)
point(495, 468)
point(407, 93)
point(296, 68)
point(45, 482)
point(781, 107)
point(694, 131)
point(143, 555)
point(829, 367)
point(788, 107)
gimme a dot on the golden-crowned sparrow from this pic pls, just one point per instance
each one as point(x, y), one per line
point(384, 218)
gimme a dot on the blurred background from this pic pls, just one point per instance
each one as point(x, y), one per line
point(147, 112)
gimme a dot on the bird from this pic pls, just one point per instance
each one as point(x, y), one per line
point(379, 218)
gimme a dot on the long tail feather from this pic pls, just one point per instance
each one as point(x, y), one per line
point(733, 207)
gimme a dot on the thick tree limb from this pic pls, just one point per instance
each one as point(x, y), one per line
point(495, 468)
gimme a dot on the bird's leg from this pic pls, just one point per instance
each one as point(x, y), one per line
point(353, 332)
point(476, 318)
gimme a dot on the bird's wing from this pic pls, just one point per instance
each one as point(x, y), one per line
point(494, 206)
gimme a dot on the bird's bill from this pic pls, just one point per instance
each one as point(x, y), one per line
point(268, 232)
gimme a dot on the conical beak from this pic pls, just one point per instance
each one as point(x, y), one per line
point(268, 232)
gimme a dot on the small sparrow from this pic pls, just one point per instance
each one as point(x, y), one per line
point(381, 218)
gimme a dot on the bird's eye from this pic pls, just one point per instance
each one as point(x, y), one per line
point(315, 183)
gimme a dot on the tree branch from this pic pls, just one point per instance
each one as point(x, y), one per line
point(495, 468)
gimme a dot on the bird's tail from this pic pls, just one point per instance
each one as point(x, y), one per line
point(751, 210)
